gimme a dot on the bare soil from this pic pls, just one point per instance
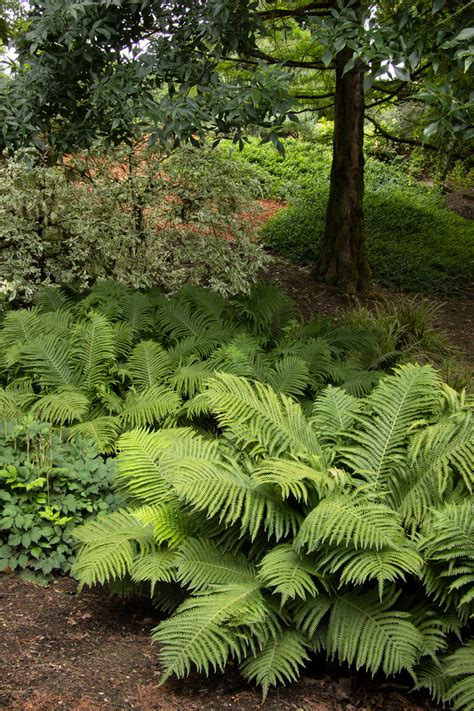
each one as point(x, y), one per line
point(91, 652)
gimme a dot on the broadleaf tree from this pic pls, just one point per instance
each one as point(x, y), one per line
point(183, 70)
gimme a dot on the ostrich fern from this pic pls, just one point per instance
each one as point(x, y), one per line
point(290, 533)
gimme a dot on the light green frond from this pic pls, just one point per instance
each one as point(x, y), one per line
point(58, 323)
point(189, 379)
point(110, 545)
point(103, 431)
point(137, 311)
point(293, 478)
point(395, 405)
point(317, 356)
point(289, 375)
point(369, 633)
point(288, 573)
point(150, 406)
point(356, 567)
point(123, 338)
point(241, 356)
point(197, 346)
point(339, 519)
point(171, 525)
point(309, 615)
point(63, 407)
point(254, 413)
point(49, 360)
point(13, 404)
point(333, 413)
point(148, 364)
point(202, 564)
point(95, 349)
point(149, 461)
point(430, 675)
point(154, 567)
point(209, 304)
point(278, 662)
point(178, 320)
point(197, 634)
point(19, 326)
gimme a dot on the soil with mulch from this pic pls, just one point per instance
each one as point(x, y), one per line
point(91, 652)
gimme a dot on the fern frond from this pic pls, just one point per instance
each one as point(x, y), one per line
point(102, 431)
point(153, 567)
point(110, 546)
point(149, 406)
point(19, 327)
point(63, 407)
point(202, 564)
point(334, 413)
point(197, 634)
point(395, 405)
point(177, 319)
point(266, 310)
point(148, 364)
point(461, 664)
point(51, 298)
point(49, 360)
point(137, 311)
point(171, 525)
point(355, 379)
point(368, 632)
point(288, 573)
point(254, 413)
point(95, 349)
point(189, 379)
point(278, 662)
point(289, 376)
point(339, 519)
point(383, 566)
point(293, 478)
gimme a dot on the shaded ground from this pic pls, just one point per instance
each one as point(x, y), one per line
point(59, 650)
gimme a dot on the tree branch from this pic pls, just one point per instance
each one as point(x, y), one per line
point(396, 139)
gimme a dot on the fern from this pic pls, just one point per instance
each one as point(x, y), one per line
point(62, 407)
point(201, 565)
point(460, 664)
point(148, 365)
point(278, 662)
point(288, 573)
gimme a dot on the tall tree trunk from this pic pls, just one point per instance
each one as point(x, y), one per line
point(343, 260)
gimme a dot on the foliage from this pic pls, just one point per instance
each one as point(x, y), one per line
point(413, 242)
point(116, 360)
point(345, 527)
point(48, 486)
point(137, 216)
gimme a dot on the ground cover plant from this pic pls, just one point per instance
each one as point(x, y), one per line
point(413, 242)
point(48, 485)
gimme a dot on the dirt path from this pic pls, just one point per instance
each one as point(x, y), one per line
point(90, 652)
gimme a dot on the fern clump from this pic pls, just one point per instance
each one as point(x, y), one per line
point(313, 521)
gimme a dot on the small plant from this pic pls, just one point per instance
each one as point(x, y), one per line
point(47, 487)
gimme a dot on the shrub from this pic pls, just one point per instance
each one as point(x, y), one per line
point(48, 486)
point(348, 530)
point(140, 217)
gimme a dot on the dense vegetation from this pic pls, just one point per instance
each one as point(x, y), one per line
point(276, 472)
point(433, 251)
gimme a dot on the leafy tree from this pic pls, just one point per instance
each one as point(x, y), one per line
point(117, 68)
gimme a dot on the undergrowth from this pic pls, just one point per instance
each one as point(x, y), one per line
point(414, 243)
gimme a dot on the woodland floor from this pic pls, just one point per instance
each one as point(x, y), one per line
point(89, 652)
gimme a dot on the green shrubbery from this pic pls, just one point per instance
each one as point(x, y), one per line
point(142, 218)
point(47, 487)
point(414, 243)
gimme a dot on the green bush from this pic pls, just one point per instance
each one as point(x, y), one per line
point(347, 530)
point(139, 217)
point(47, 487)
point(414, 243)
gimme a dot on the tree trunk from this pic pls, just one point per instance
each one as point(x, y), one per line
point(343, 260)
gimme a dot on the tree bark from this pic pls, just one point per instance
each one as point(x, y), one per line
point(343, 260)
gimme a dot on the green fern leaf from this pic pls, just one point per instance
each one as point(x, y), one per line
point(289, 375)
point(153, 567)
point(288, 573)
point(461, 664)
point(109, 548)
point(334, 413)
point(102, 431)
point(293, 478)
point(148, 365)
point(95, 349)
point(197, 634)
point(278, 662)
point(150, 406)
point(202, 564)
point(51, 298)
point(62, 407)
point(339, 519)
point(49, 361)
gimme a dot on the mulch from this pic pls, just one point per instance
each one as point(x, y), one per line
point(91, 652)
